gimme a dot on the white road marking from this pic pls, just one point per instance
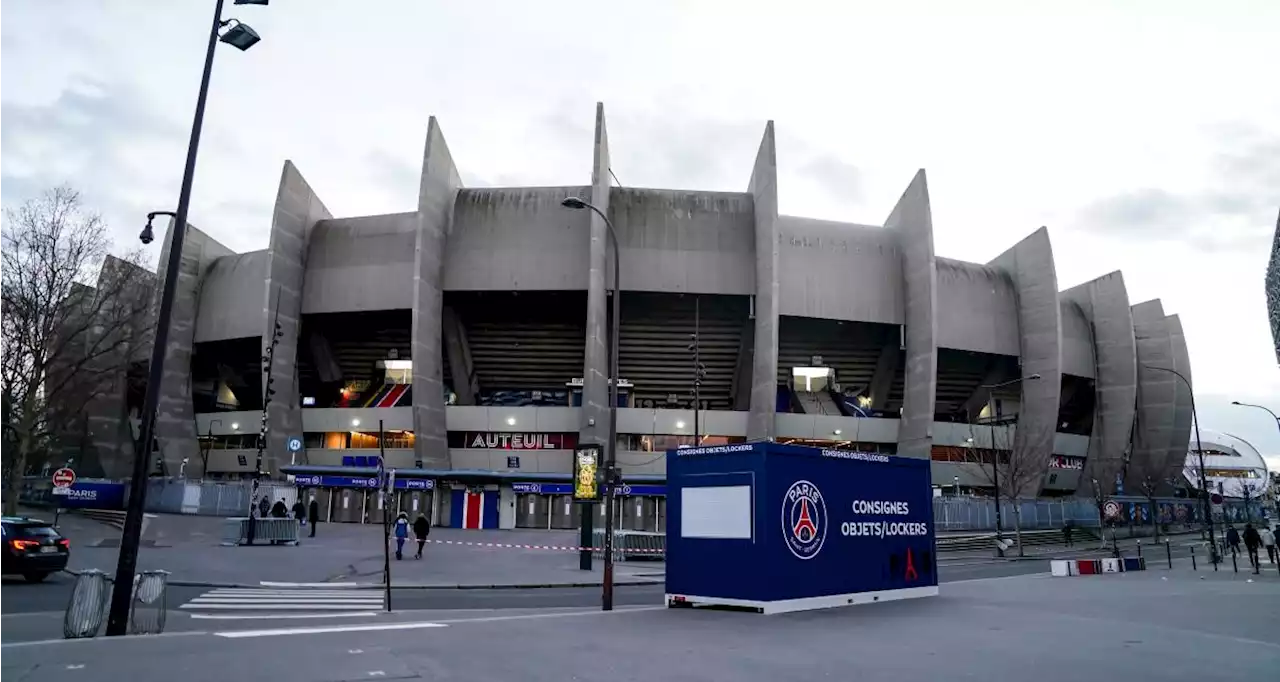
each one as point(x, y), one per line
point(268, 583)
point(281, 616)
point(370, 627)
point(271, 600)
point(42, 642)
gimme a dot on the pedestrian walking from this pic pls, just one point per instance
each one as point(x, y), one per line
point(300, 512)
point(1252, 541)
point(1067, 529)
point(421, 529)
point(402, 534)
point(1269, 543)
point(1233, 539)
point(313, 513)
point(263, 507)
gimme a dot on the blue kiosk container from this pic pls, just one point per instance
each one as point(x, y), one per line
point(781, 528)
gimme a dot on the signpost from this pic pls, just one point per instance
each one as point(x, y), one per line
point(63, 479)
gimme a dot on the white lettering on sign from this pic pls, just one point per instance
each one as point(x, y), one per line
point(881, 507)
point(715, 450)
point(864, 456)
point(513, 441)
point(882, 529)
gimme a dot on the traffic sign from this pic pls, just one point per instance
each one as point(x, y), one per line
point(63, 478)
point(1111, 509)
point(295, 444)
point(1214, 499)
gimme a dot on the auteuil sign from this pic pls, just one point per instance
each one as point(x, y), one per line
point(512, 441)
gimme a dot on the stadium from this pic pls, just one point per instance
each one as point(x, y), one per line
point(469, 339)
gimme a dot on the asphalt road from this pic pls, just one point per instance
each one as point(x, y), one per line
point(18, 597)
point(1154, 625)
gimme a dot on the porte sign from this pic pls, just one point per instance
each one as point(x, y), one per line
point(63, 478)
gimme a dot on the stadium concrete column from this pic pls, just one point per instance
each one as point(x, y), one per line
point(461, 372)
point(912, 223)
point(1180, 431)
point(1029, 263)
point(1105, 304)
point(1271, 285)
point(593, 427)
point(437, 194)
point(110, 431)
point(297, 211)
point(175, 426)
point(762, 419)
point(1157, 390)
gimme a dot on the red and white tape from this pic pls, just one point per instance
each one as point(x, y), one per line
point(560, 548)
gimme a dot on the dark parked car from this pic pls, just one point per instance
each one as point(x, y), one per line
point(33, 548)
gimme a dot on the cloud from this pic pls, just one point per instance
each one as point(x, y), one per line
point(98, 138)
point(1232, 213)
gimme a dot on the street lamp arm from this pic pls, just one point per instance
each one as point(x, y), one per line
point(1260, 407)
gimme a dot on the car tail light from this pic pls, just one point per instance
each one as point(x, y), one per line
point(64, 543)
point(22, 545)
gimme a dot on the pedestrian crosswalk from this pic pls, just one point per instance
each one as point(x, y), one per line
point(285, 600)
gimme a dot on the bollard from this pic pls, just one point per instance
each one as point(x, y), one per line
point(1235, 568)
point(1139, 549)
point(1193, 559)
point(1168, 552)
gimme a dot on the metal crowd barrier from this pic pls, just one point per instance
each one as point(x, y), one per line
point(235, 531)
point(91, 594)
point(631, 545)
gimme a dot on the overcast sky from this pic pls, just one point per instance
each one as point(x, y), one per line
point(1146, 138)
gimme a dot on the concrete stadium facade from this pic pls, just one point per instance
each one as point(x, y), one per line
point(912, 342)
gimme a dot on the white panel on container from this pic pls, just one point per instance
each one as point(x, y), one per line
point(722, 512)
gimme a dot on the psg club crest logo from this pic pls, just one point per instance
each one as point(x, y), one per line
point(804, 519)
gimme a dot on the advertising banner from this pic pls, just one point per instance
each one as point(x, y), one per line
point(818, 527)
point(586, 473)
point(89, 494)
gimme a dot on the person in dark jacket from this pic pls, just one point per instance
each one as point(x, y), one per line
point(279, 511)
point(300, 512)
point(1066, 532)
point(1252, 540)
point(421, 529)
point(263, 507)
point(401, 533)
point(1233, 539)
point(313, 513)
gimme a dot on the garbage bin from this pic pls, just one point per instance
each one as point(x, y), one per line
point(87, 607)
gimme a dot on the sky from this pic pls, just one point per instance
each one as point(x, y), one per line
point(1145, 135)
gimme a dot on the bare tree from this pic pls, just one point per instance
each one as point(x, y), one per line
point(1148, 477)
point(1011, 468)
point(1101, 472)
point(65, 342)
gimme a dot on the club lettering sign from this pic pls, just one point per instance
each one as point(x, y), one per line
point(820, 528)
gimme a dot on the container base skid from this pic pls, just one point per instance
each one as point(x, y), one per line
point(805, 604)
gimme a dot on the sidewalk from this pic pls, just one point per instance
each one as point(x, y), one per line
point(189, 548)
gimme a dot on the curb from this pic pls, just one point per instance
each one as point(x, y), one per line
point(410, 586)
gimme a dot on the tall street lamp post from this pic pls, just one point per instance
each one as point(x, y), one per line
point(612, 478)
point(242, 37)
point(1274, 416)
point(995, 460)
point(1204, 487)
